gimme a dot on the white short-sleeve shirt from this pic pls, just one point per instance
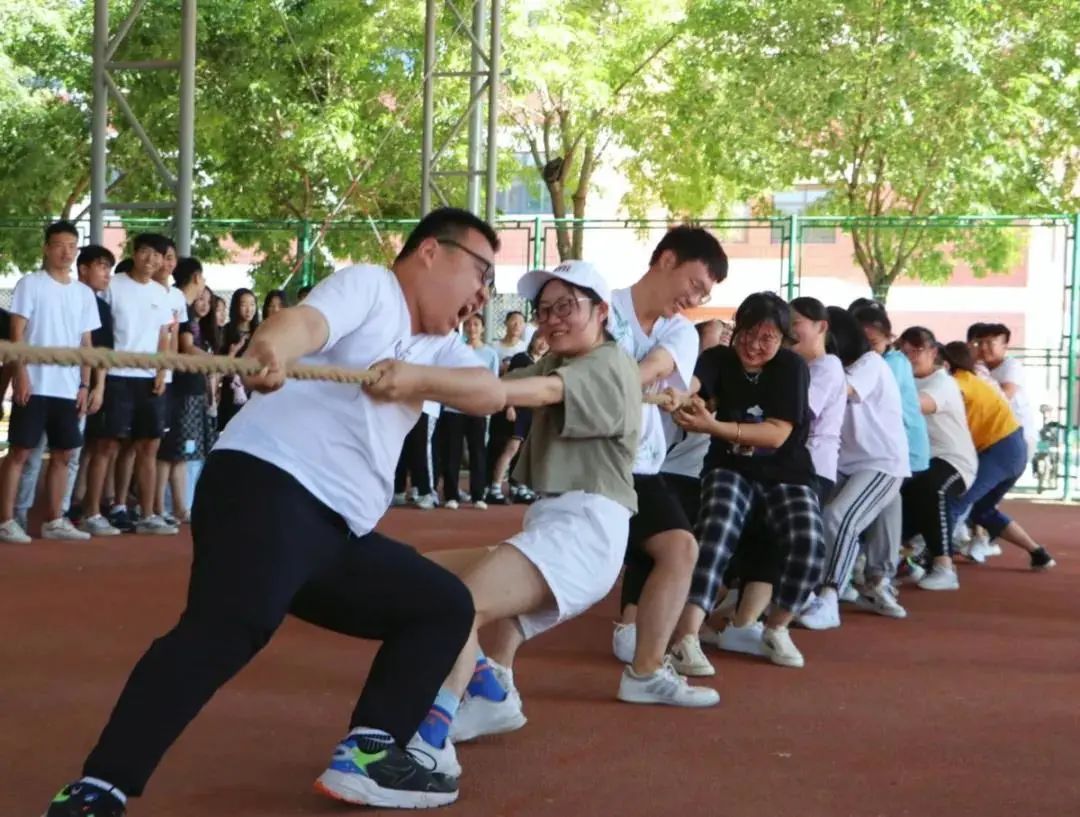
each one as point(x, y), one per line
point(950, 437)
point(139, 311)
point(1011, 370)
point(828, 399)
point(678, 336)
point(872, 437)
point(56, 315)
point(341, 445)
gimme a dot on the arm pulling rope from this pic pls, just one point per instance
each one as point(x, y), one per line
point(104, 358)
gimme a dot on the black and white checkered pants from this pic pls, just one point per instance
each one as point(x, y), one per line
point(792, 517)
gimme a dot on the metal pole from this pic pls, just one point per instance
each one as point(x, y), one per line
point(475, 113)
point(99, 124)
point(186, 164)
point(429, 107)
point(1070, 362)
point(794, 246)
point(494, 69)
point(494, 62)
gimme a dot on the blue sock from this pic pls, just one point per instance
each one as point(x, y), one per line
point(436, 726)
point(484, 684)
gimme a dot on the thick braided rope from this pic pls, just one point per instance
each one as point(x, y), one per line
point(104, 358)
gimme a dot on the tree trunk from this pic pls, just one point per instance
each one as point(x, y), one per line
point(581, 196)
point(558, 209)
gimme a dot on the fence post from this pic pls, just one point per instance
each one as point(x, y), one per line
point(1070, 363)
point(538, 243)
point(793, 244)
point(305, 254)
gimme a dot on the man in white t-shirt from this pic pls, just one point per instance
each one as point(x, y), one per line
point(647, 321)
point(284, 516)
point(134, 409)
point(48, 308)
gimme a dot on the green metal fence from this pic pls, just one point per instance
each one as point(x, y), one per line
point(1035, 288)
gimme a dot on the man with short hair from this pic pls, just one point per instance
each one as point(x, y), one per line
point(48, 308)
point(647, 320)
point(316, 461)
point(134, 408)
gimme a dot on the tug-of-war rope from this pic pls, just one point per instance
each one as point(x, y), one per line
point(104, 358)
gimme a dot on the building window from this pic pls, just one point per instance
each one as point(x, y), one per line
point(797, 202)
point(527, 194)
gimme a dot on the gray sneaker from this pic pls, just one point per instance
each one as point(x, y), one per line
point(665, 686)
point(155, 526)
point(98, 525)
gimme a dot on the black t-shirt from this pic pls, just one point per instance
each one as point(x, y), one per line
point(5, 324)
point(778, 392)
point(103, 336)
point(188, 383)
point(520, 361)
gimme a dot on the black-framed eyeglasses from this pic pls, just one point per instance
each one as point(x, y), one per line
point(560, 309)
point(487, 268)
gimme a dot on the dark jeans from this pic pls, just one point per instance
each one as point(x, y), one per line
point(265, 547)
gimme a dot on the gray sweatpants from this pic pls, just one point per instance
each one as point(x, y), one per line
point(856, 502)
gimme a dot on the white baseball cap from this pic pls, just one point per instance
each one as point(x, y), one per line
point(579, 273)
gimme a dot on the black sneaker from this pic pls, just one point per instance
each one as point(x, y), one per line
point(85, 800)
point(371, 770)
point(1041, 559)
point(121, 520)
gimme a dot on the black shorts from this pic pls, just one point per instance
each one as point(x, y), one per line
point(131, 410)
point(55, 417)
point(688, 491)
point(95, 425)
point(522, 424)
point(659, 510)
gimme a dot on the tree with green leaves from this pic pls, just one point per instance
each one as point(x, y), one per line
point(574, 66)
point(900, 109)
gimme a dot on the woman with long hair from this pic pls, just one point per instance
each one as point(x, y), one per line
point(243, 321)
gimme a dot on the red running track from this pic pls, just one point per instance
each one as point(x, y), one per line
point(971, 706)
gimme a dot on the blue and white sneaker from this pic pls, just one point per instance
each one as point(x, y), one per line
point(84, 799)
point(368, 768)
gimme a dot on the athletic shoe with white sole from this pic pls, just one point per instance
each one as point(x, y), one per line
point(452, 505)
point(940, 578)
point(443, 761)
point(780, 649)
point(665, 686)
point(98, 525)
point(83, 799)
point(1041, 559)
point(62, 529)
point(369, 769)
point(154, 525)
point(689, 659)
point(745, 640)
point(880, 598)
point(849, 594)
point(624, 642)
point(823, 613)
point(12, 533)
point(478, 716)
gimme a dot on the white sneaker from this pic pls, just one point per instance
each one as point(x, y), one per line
point(823, 613)
point(480, 505)
point(154, 525)
point(399, 500)
point(624, 642)
point(880, 598)
point(98, 525)
point(858, 572)
point(689, 659)
point(726, 608)
point(980, 550)
point(849, 594)
point(780, 648)
point(993, 549)
point(746, 640)
point(917, 544)
point(12, 533)
point(940, 578)
point(443, 761)
point(63, 529)
point(477, 717)
point(452, 505)
point(665, 686)
point(427, 502)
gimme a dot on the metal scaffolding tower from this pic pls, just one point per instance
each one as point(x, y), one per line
point(483, 76)
point(180, 183)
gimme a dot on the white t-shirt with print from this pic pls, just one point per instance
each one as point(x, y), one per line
point(56, 315)
point(685, 450)
point(341, 445)
point(678, 336)
point(872, 437)
point(950, 437)
point(1011, 370)
point(828, 400)
point(139, 311)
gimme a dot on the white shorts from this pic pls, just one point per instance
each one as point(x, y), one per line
point(577, 541)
